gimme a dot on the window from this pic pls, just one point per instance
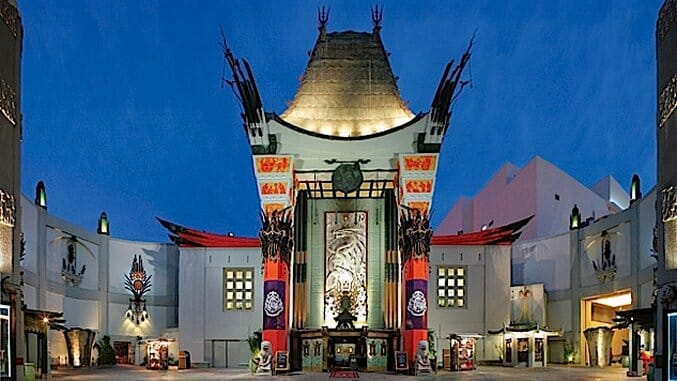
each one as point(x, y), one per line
point(238, 288)
point(451, 286)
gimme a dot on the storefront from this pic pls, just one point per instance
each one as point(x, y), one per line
point(525, 346)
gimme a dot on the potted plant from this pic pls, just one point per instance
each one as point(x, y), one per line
point(254, 341)
point(570, 350)
point(432, 349)
point(106, 352)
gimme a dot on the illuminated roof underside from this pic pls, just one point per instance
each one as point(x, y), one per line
point(348, 88)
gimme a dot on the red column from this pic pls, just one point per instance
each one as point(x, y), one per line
point(414, 305)
point(276, 303)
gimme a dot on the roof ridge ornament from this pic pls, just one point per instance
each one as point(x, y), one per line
point(376, 17)
point(448, 90)
point(323, 18)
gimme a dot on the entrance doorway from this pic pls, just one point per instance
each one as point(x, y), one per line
point(124, 352)
point(600, 311)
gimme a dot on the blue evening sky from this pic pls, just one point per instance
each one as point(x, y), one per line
point(124, 110)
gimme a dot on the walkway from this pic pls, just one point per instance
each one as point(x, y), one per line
point(133, 373)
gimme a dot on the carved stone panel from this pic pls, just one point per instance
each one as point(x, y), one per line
point(666, 17)
point(8, 101)
point(10, 15)
point(669, 218)
point(667, 101)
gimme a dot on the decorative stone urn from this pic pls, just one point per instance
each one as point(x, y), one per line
point(599, 345)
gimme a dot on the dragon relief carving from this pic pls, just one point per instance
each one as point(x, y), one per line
point(276, 234)
point(415, 235)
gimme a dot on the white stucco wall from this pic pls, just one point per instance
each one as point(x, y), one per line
point(99, 301)
point(546, 260)
point(487, 293)
point(202, 316)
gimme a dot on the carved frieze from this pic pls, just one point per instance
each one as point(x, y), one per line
point(666, 17)
point(669, 203)
point(8, 101)
point(667, 101)
point(7, 208)
point(10, 15)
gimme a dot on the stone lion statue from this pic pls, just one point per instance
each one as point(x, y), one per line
point(423, 365)
point(265, 359)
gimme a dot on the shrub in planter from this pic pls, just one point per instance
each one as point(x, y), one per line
point(106, 352)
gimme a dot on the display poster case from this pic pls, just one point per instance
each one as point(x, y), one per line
point(462, 353)
point(672, 346)
point(5, 349)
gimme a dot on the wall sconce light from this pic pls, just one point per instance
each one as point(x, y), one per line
point(103, 227)
point(575, 218)
point(138, 283)
point(41, 195)
point(635, 189)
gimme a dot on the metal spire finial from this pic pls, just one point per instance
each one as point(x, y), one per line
point(323, 16)
point(377, 16)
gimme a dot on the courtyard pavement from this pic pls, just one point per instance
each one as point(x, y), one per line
point(487, 373)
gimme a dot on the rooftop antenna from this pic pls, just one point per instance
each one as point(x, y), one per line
point(377, 16)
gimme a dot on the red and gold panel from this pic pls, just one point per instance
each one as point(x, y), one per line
point(419, 162)
point(272, 164)
point(273, 188)
point(418, 186)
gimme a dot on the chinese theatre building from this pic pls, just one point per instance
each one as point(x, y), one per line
point(346, 177)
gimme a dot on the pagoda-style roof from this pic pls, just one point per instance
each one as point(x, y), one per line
point(188, 237)
point(348, 88)
point(502, 235)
